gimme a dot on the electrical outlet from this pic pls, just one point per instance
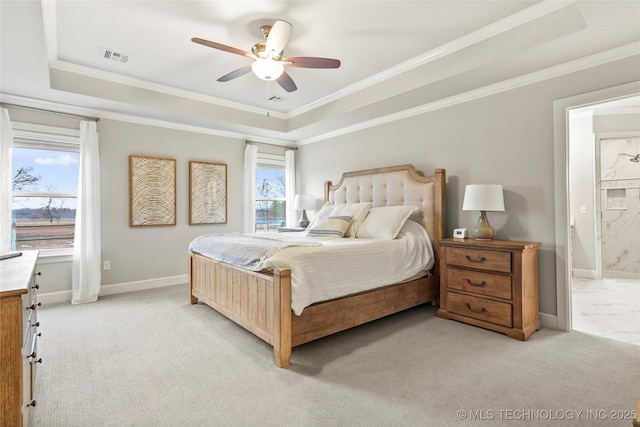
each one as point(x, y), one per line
point(107, 265)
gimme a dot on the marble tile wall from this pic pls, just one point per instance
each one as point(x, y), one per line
point(620, 202)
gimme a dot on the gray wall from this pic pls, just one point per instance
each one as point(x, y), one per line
point(141, 253)
point(503, 139)
point(582, 185)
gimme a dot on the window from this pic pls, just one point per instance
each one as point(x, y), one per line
point(44, 189)
point(271, 193)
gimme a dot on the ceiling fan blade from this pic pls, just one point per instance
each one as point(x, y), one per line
point(311, 62)
point(220, 46)
point(286, 82)
point(278, 37)
point(235, 74)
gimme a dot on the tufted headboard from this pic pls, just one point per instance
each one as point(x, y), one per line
point(393, 186)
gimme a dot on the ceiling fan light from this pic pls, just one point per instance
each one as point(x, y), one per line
point(267, 69)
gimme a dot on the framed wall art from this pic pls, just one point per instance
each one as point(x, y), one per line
point(208, 193)
point(152, 191)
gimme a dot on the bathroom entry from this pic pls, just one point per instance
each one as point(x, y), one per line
point(619, 197)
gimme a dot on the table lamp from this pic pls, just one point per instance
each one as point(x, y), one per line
point(302, 202)
point(483, 198)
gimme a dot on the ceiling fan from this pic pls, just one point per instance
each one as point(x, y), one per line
point(268, 60)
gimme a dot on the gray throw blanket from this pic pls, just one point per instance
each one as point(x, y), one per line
point(242, 250)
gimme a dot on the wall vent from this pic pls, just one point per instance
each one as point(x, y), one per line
point(113, 55)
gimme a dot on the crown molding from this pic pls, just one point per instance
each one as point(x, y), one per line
point(611, 55)
point(129, 118)
point(155, 87)
point(510, 22)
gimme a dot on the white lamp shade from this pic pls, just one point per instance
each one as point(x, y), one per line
point(483, 197)
point(304, 202)
point(267, 69)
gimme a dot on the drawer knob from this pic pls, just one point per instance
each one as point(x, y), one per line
point(478, 260)
point(33, 306)
point(32, 403)
point(475, 310)
point(36, 286)
point(478, 285)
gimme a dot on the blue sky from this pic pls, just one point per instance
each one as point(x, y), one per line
point(58, 169)
point(271, 176)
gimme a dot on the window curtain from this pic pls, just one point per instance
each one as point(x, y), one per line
point(6, 142)
point(250, 164)
point(86, 248)
point(290, 185)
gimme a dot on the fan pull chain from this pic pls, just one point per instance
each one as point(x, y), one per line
point(268, 93)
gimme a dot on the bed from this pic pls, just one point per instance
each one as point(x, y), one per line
point(261, 301)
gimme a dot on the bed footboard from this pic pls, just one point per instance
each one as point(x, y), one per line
point(259, 302)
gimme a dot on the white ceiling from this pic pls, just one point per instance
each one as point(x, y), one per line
point(398, 57)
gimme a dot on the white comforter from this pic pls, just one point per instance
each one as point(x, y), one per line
point(340, 267)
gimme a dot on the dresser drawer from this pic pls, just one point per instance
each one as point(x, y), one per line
point(479, 259)
point(480, 308)
point(479, 282)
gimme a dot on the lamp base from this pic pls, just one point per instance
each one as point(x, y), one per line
point(483, 230)
point(304, 221)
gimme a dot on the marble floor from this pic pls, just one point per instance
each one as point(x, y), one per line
point(607, 307)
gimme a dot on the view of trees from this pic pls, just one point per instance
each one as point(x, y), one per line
point(268, 210)
point(52, 208)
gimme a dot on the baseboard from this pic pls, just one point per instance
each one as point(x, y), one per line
point(549, 320)
point(118, 288)
point(585, 274)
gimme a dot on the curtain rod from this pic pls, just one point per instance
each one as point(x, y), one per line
point(273, 145)
point(6, 104)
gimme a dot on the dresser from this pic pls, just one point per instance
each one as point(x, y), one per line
point(18, 338)
point(490, 283)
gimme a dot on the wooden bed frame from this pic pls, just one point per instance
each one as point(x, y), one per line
point(261, 301)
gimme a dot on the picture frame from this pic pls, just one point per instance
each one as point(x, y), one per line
point(207, 193)
point(152, 191)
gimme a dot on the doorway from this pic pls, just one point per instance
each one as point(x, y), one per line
point(604, 209)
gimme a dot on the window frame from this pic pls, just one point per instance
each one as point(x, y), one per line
point(33, 136)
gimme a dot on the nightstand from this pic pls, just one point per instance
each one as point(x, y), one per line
point(490, 283)
point(290, 229)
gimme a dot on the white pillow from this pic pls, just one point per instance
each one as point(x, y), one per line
point(324, 212)
point(357, 211)
point(385, 222)
point(333, 226)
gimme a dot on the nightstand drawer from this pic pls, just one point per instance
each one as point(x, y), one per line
point(479, 282)
point(480, 308)
point(479, 259)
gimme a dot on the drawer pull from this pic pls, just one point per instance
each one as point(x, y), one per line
point(33, 306)
point(478, 285)
point(475, 310)
point(480, 260)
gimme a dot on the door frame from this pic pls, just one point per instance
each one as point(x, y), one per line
point(563, 248)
